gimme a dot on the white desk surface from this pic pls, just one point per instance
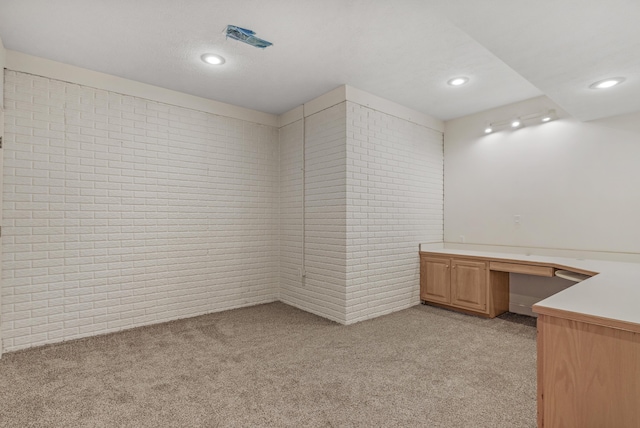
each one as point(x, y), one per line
point(611, 295)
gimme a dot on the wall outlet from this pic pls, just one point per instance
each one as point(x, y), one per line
point(462, 239)
point(516, 219)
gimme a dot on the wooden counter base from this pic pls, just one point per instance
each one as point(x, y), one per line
point(588, 353)
point(477, 285)
point(463, 284)
point(588, 375)
point(448, 307)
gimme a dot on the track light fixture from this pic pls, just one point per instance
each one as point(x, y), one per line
point(520, 121)
point(548, 116)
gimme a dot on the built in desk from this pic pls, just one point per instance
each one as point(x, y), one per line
point(588, 335)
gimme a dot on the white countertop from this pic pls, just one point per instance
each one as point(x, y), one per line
point(613, 294)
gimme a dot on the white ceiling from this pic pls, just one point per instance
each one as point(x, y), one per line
point(403, 50)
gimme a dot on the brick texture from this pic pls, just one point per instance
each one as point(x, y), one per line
point(374, 191)
point(395, 202)
point(322, 291)
point(121, 212)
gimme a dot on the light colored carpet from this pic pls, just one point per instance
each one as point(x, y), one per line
point(273, 365)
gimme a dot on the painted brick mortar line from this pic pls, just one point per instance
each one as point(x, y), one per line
point(126, 228)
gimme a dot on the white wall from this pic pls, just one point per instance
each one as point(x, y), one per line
point(18, 61)
point(373, 184)
point(395, 202)
point(573, 184)
point(291, 289)
point(120, 212)
point(2, 66)
point(322, 291)
point(325, 210)
point(123, 211)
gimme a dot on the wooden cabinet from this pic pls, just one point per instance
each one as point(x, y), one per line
point(463, 284)
point(469, 284)
point(435, 279)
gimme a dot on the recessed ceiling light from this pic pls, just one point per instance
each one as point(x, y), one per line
point(213, 59)
point(607, 83)
point(457, 81)
point(488, 129)
point(515, 123)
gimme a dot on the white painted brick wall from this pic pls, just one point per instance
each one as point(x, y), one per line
point(323, 290)
point(395, 202)
point(291, 290)
point(121, 212)
point(374, 187)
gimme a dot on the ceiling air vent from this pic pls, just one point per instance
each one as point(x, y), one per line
point(246, 36)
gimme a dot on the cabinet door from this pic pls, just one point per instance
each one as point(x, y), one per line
point(469, 284)
point(435, 277)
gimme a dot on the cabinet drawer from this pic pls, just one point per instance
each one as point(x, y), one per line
point(518, 268)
